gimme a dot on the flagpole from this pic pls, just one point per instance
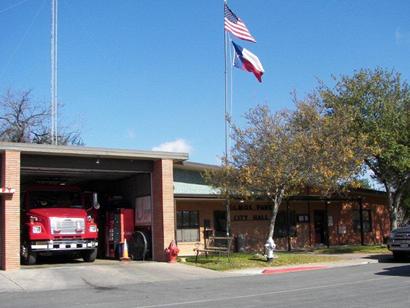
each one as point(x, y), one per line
point(226, 96)
point(233, 24)
point(227, 201)
point(230, 56)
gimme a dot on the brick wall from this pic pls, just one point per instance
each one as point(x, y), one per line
point(206, 211)
point(10, 212)
point(163, 208)
point(343, 216)
point(255, 231)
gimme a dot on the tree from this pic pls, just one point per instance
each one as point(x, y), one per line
point(377, 106)
point(277, 155)
point(331, 159)
point(23, 120)
point(405, 207)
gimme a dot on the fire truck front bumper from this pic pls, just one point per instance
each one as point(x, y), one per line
point(63, 245)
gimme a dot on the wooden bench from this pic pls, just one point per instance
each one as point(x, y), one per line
point(219, 245)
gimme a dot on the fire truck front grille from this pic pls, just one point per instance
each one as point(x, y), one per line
point(61, 226)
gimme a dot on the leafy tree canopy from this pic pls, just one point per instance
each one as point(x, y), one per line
point(377, 105)
point(279, 154)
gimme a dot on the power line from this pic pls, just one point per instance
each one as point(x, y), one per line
point(13, 6)
point(18, 46)
point(54, 62)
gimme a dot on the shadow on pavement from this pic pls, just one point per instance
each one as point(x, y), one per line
point(403, 270)
point(382, 258)
point(42, 260)
point(56, 261)
point(65, 261)
point(387, 258)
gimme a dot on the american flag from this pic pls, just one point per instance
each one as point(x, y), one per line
point(236, 26)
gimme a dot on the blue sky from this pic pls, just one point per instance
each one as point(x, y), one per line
point(142, 74)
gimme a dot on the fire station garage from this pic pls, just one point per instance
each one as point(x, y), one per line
point(63, 199)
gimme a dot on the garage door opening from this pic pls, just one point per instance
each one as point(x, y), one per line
point(59, 221)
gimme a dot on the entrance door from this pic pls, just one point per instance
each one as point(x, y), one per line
point(320, 227)
point(220, 223)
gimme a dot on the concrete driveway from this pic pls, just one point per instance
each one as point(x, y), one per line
point(103, 274)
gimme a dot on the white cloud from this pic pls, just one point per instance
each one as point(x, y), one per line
point(401, 36)
point(131, 134)
point(179, 145)
point(398, 35)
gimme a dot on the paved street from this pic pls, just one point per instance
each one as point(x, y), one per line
point(372, 285)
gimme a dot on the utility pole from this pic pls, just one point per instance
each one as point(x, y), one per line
point(54, 62)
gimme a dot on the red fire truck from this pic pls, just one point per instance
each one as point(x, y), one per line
point(58, 219)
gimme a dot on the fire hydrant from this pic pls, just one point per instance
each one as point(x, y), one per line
point(172, 252)
point(269, 248)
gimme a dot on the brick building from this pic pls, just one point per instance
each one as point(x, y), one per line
point(181, 206)
point(360, 217)
point(132, 174)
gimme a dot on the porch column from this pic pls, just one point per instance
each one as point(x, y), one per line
point(10, 211)
point(163, 208)
point(309, 224)
point(288, 226)
point(361, 221)
point(327, 224)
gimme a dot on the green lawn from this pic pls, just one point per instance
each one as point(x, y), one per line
point(353, 249)
point(246, 260)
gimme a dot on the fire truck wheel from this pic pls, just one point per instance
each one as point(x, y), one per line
point(89, 255)
point(27, 257)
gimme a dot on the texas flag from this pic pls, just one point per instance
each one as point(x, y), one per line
point(247, 61)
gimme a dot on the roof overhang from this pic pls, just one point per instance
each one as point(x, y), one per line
point(187, 165)
point(80, 151)
point(198, 197)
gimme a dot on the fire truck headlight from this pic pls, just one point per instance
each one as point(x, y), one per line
point(93, 228)
point(34, 218)
point(36, 229)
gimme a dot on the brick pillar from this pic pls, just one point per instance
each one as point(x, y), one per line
point(163, 208)
point(10, 212)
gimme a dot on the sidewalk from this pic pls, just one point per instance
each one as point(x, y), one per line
point(347, 259)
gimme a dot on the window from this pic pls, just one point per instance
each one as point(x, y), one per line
point(281, 226)
point(187, 226)
point(303, 218)
point(367, 221)
point(58, 198)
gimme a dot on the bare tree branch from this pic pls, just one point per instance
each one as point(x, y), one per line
point(23, 120)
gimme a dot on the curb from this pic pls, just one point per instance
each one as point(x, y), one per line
point(302, 267)
point(271, 271)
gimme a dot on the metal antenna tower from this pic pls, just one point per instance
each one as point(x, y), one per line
point(54, 80)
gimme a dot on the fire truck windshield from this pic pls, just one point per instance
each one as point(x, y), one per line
point(53, 199)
